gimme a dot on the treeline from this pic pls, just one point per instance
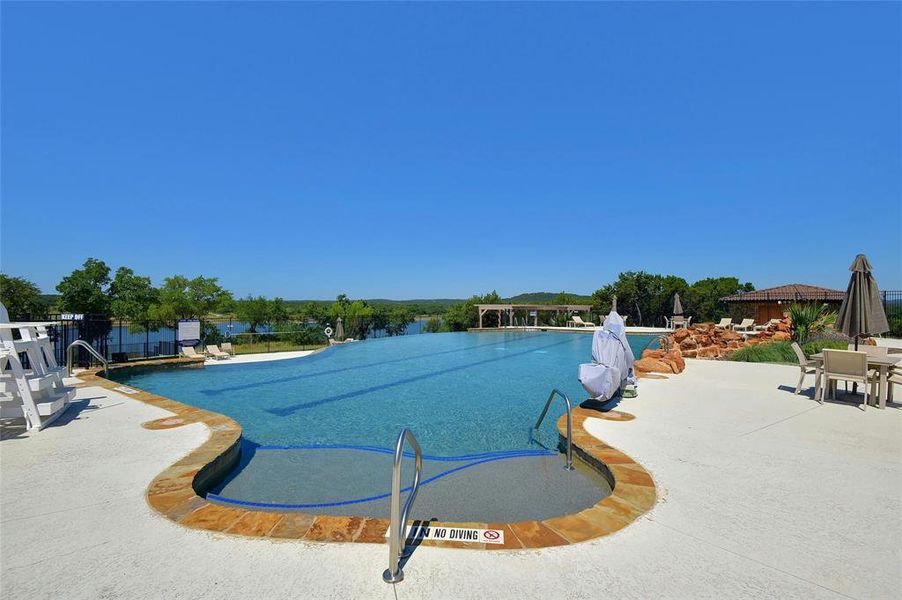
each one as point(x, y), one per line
point(124, 295)
point(645, 297)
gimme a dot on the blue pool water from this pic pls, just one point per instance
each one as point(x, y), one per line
point(462, 394)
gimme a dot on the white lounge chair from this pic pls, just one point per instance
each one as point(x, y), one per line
point(725, 323)
point(746, 325)
point(227, 347)
point(214, 351)
point(578, 322)
point(767, 325)
point(190, 352)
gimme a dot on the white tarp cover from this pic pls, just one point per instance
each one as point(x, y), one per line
point(612, 360)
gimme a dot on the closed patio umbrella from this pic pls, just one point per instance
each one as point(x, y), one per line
point(614, 303)
point(862, 311)
point(339, 330)
point(677, 305)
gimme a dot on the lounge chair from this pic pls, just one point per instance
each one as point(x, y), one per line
point(767, 325)
point(190, 352)
point(725, 323)
point(227, 347)
point(746, 325)
point(578, 322)
point(808, 367)
point(845, 365)
point(214, 351)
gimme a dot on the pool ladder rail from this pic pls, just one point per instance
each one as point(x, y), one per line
point(563, 396)
point(91, 351)
point(397, 529)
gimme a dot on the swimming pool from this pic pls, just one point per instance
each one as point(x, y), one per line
point(317, 430)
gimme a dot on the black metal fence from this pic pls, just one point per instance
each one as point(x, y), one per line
point(120, 341)
point(892, 304)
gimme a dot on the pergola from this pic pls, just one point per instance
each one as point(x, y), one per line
point(531, 308)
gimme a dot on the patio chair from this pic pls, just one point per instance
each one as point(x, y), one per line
point(190, 352)
point(767, 325)
point(808, 367)
point(845, 365)
point(214, 351)
point(227, 347)
point(725, 323)
point(746, 325)
point(894, 379)
point(678, 321)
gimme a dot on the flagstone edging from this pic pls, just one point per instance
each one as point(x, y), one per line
point(177, 492)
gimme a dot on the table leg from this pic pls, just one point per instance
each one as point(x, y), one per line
point(883, 385)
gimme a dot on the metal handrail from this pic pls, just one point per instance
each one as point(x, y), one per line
point(91, 350)
point(569, 465)
point(397, 526)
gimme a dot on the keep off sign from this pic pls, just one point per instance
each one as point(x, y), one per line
point(459, 534)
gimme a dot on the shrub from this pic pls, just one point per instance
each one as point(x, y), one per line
point(818, 345)
point(775, 352)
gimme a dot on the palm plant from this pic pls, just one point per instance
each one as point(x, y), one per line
point(808, 319)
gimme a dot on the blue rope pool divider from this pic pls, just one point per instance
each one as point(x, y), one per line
point(477, 459)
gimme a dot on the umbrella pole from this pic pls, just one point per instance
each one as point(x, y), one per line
point(855, 384)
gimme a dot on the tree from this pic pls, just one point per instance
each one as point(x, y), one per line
point(183, 298)
point(85, 290)
point(131, 296)
point(646, 298)
point(705, 294)
point(356, 316)
point(278, 312)
point(465, 315)
point(253, 311)
point(21, 297)
point(399, 317)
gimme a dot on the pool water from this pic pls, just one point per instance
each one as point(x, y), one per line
point(316, 429)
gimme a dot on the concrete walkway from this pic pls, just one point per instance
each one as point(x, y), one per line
point(765, 494)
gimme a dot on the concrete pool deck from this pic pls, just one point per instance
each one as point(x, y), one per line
point(762, 494)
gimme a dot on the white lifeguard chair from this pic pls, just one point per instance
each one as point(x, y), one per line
point(37, 394)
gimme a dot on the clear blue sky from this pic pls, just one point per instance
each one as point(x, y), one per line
point(439, 150)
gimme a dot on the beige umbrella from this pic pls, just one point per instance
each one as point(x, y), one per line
point(614, 303)
point(862, 311)
point(339, 330)
point(677, 305)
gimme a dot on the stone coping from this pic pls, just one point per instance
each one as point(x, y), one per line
point(178, 492)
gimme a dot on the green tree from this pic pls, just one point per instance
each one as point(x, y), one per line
point(646, 298)
point(183, 298)
point(21, 297)
point(704, 298)
point(278, 312)
point(85, 290)
point(465, 315)
point(356, 316)
point(131, 296)
point(399, 317)
point(253, 311)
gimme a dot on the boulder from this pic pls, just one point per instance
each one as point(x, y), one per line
point(681, 334)
point(652, 365)
point(647, 353)
point(781, 336)
point(676, 361)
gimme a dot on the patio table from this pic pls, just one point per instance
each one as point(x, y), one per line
point(881, 363)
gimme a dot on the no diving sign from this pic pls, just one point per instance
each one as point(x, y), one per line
point(458, 534)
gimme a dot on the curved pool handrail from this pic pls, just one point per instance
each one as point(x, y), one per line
point(91, 350)
point(554, 392)
point(398, 523)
